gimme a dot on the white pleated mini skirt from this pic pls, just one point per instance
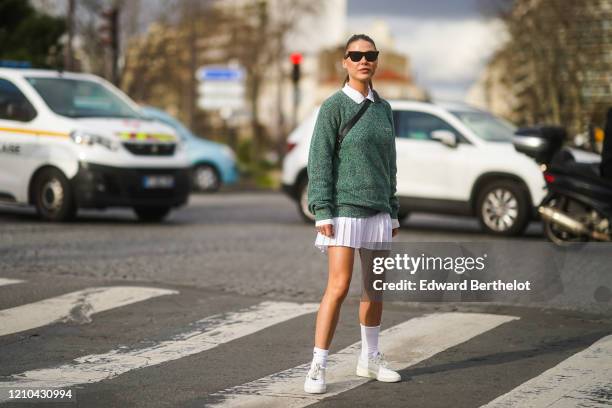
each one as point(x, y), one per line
point(372, 232)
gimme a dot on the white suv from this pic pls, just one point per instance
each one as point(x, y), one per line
point(451, 159)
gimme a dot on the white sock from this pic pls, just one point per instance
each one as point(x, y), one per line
point(369, 341)
point(320, 356)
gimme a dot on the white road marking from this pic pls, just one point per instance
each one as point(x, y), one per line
point(209, 333)
point(404, 345)
point(582, 380)
point(75, 306)
point(4, 281)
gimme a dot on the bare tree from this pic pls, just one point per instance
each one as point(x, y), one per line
point(87, 27)
point(161, 65)
point(258, 42)
point(557, 59)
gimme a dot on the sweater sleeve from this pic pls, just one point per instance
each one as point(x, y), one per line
point(393, 200)
point(320, 163)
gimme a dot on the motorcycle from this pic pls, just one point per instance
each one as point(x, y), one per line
point(578, 205)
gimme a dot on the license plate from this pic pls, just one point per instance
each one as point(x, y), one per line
point(158, 181)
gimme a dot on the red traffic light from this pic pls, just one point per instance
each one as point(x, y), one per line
point(296, 58)
point(108, 30)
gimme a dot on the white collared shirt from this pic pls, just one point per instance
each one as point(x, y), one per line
point(358, 97)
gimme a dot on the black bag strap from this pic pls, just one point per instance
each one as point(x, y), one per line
point(349, 125)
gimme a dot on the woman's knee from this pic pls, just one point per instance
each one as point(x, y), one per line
point(340, 272)
point(337, 291)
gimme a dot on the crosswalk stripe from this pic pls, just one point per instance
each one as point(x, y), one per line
point(584, 380)
point(210, 332)
point(5, 281)
point(75, 306)
point(404, 345)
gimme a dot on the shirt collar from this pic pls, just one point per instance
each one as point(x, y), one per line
point(357, 96)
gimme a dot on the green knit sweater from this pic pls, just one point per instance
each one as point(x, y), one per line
point(362, 180)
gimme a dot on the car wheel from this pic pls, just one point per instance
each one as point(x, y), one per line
point(503, 208)
point(53, 196)
point(151, 214)
point(303, 202)
point(206, 178)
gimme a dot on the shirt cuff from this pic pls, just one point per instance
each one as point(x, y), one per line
point(395, 223)
point(323, 222)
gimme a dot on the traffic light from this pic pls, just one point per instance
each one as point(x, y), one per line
point(296, 60)
point(109, 36)
point(109, 29)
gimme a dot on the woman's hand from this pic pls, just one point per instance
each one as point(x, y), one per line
point(326, 229)
point(394, 232)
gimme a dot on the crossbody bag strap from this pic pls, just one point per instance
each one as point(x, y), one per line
point(344, 131)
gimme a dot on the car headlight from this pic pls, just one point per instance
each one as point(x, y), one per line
point(229, 152)
point(90, 139)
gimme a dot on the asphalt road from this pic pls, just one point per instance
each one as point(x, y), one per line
point(216, 307)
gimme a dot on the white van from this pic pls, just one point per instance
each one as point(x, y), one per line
point(451, 159)
point(72, 140)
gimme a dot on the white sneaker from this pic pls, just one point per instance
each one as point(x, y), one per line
point(315, 379)
point(376, 367)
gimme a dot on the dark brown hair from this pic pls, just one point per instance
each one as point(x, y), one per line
point(357, 37)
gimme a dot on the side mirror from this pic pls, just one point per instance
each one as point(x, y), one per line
point(445, 137)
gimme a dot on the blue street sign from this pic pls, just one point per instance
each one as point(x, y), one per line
point(220, 74)
point(15, 64)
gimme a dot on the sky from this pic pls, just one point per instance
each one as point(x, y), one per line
point(448, 41)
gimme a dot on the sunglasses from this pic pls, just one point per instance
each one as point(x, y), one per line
point(356, 56)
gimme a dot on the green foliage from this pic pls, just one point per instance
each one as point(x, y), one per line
point(258, 173)
point(243, 151)
point(27, 35)
point(265, 180)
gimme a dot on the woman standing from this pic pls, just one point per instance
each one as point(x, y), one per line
point(351, 192)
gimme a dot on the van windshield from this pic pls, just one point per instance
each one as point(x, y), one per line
point(487, 126)
point(77, 98)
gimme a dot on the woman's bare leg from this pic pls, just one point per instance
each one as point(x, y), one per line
point(340, 266)
point(371, 305)
point(371, 363)
point(370, 313)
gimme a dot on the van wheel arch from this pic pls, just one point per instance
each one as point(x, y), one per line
point(31, 184)
point(52, 195)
